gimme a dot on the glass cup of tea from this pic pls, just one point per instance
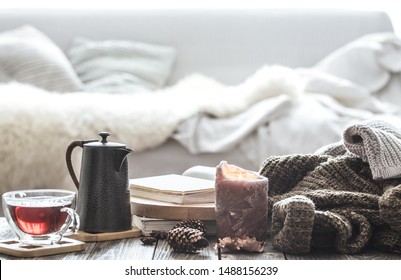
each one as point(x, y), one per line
point(41, 216)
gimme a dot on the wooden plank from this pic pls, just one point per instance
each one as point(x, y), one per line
point(4, 257)
point(331, 255)
point(134, 249)
point(5, 230)
point(375, 255)
point(269, 253)
point(315, 254)
point(165, 252)
point(106, 236)
point(14, 248)
point(6, 233)
point(81, 255)
point(124, 249)
point(320, 255)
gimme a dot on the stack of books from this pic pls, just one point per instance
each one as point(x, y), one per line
point(159, 202)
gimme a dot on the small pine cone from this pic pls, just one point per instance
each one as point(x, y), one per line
point(148, 240)
point(159, 234)
point(186, 240)
point(192, 223)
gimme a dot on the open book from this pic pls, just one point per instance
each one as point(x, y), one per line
point(174, 188)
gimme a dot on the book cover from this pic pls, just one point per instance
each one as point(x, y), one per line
point(174, 188)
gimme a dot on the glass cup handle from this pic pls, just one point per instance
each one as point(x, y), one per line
point(72, 226)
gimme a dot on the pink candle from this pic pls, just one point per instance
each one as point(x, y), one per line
point(241, 202)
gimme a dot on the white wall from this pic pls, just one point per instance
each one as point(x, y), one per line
point(390, 6)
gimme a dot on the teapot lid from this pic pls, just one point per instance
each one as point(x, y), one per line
point(104, 142)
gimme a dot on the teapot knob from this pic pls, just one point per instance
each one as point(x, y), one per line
point(104, 136)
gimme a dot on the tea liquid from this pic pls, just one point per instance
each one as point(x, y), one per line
point(37, 220)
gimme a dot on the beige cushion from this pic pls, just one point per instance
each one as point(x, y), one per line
point(117, 66)
point(29, 56)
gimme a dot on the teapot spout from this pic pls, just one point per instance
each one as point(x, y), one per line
point(119, 156)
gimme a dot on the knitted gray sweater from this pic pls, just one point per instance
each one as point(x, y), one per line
point(333, 201)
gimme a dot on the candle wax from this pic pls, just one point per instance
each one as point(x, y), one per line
point(241, 202)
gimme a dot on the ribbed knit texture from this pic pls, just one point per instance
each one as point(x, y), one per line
point(293, 224)
point(376, 142)
point(328, 201)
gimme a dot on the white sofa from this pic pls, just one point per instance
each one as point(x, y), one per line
point(227, 45)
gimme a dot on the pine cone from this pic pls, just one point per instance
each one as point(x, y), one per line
point(159, 234)
point(192, 223)
point(148, 240)
point(186, 240)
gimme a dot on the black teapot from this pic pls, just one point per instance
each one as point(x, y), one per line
point(103, 189)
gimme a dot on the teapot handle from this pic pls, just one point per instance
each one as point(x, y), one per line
point(68, 153)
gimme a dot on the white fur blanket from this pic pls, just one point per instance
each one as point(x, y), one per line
point(36, 126)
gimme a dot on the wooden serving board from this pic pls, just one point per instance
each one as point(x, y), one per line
point(14, 248)
point(171, 211)
point(105, 236)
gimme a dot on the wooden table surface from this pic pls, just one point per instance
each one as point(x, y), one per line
point(133, 249)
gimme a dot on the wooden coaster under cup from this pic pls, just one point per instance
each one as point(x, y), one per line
point(106, 236)
point(14, 248)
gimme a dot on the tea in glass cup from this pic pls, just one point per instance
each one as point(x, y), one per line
point(42, 216)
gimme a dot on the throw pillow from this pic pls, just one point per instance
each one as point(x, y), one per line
point(117, 66)
point(367, 61)
point(29, 56)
